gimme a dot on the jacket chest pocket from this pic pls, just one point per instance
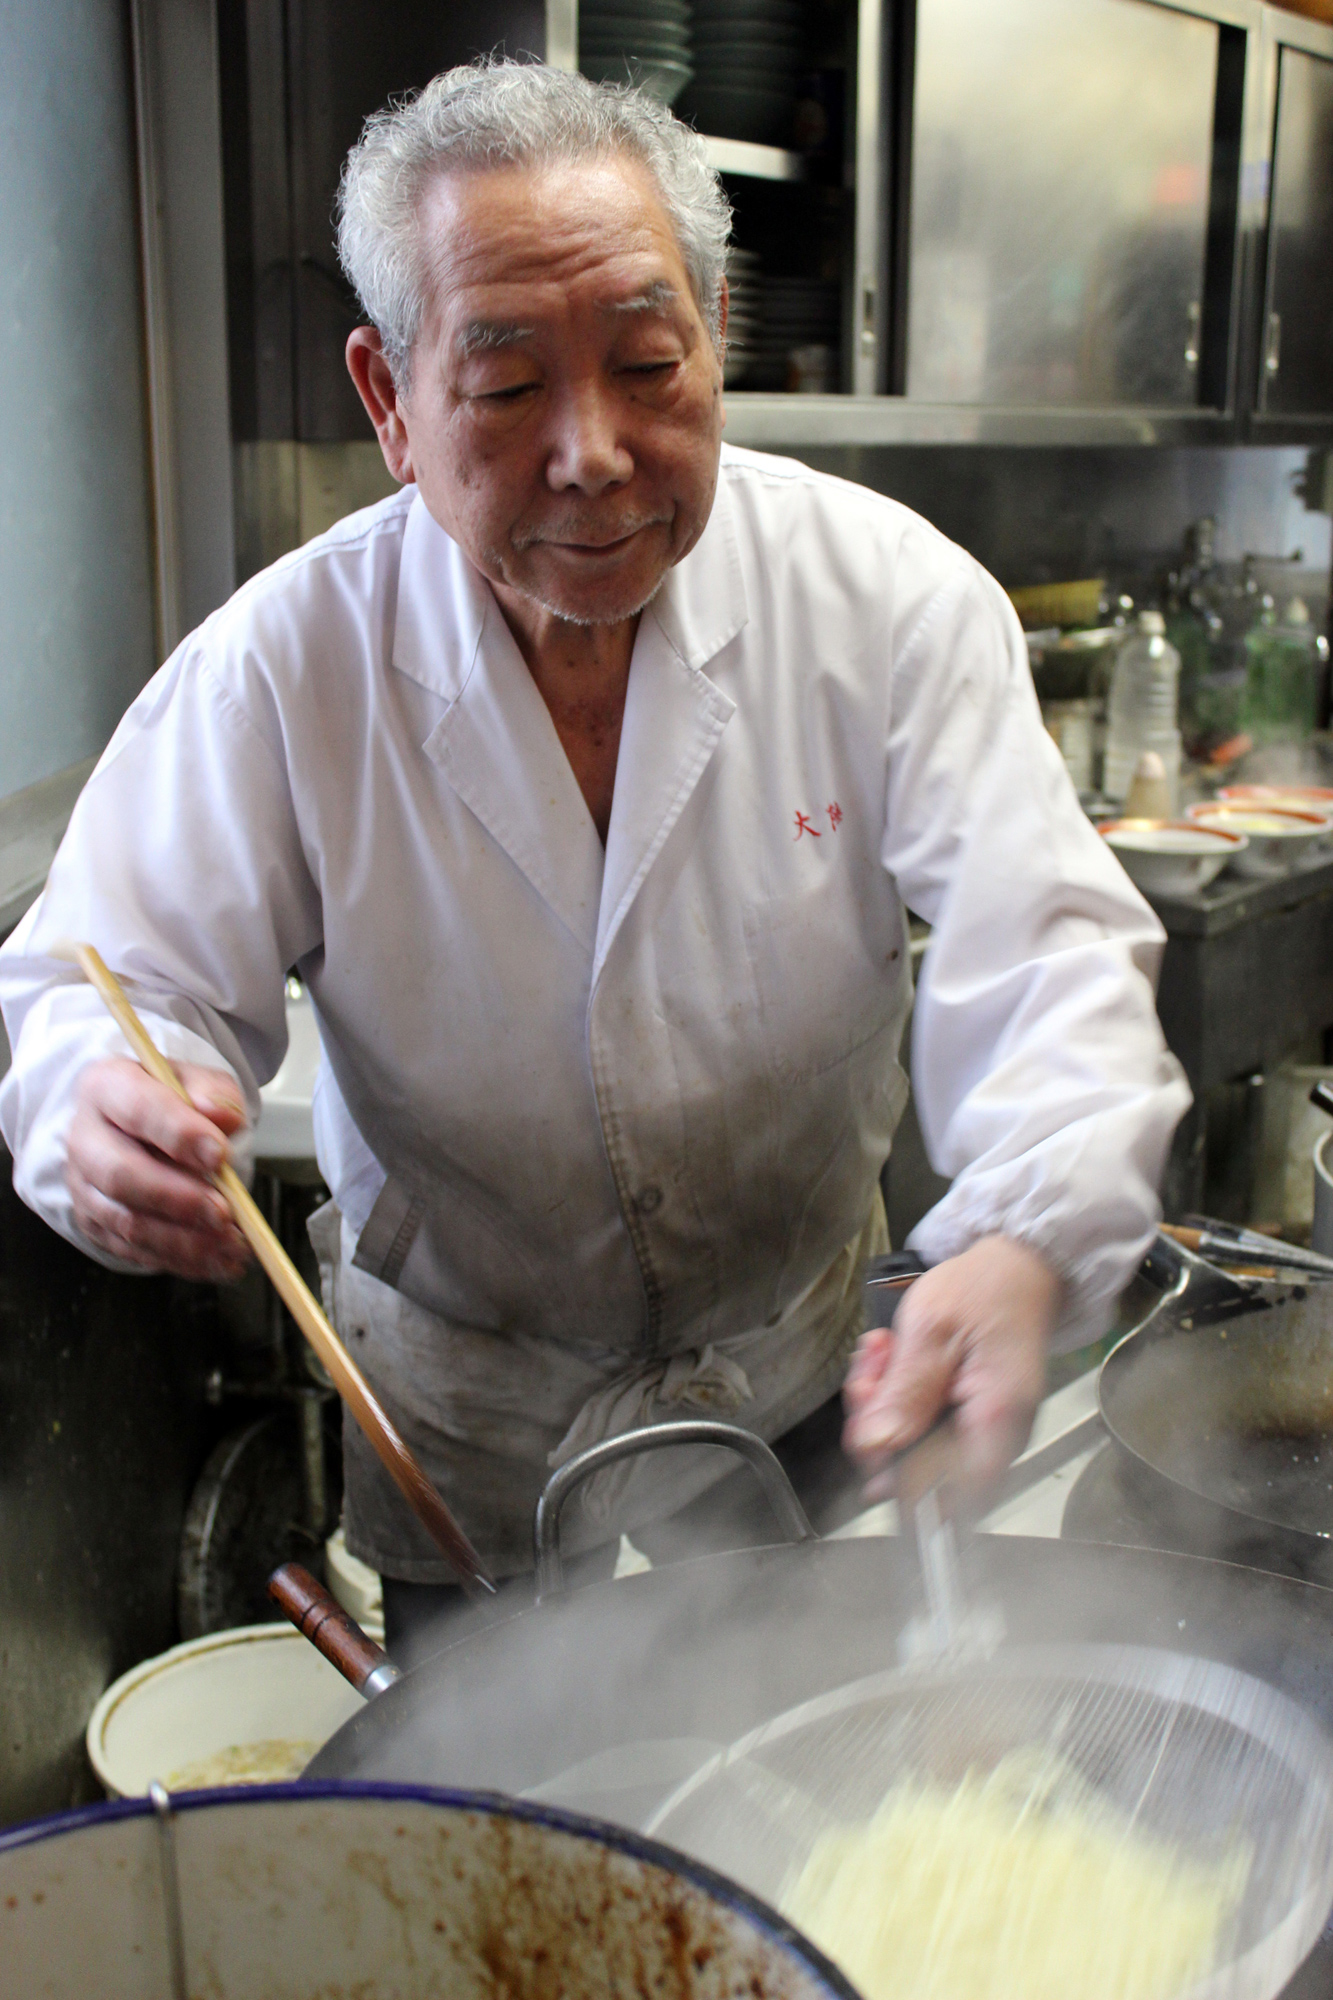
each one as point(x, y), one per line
point(826, 982)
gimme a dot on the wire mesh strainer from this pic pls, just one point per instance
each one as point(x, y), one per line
point(1186, 1749)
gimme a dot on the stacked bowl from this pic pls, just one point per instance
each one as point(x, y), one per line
point(797, 344)
point(749, 56)
point(643, 42)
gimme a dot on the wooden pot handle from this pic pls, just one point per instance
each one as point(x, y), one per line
point(332, 1631)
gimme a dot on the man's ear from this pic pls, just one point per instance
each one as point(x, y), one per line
point(375, 386)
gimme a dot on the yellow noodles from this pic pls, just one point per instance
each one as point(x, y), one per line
point(1020, 1883)
point(271, 1762)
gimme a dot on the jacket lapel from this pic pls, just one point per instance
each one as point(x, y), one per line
point(674, 715)
point(498, 747)
point(496, 742)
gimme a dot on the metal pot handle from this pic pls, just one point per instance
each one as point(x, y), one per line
point(1172, 1267)
point(778, 1490)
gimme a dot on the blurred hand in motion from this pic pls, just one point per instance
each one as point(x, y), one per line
point(138, 1168)
point(971, 1333)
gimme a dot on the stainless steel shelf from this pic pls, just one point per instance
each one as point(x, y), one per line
point(760, 163)
point(771, 422)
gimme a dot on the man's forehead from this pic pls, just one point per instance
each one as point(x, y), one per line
point(496, 237)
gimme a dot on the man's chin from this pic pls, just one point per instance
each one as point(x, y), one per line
point(603, 603)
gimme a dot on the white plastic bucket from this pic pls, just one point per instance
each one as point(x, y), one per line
point(257, 1684)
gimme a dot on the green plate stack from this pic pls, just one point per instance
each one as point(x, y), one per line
point(749, 56)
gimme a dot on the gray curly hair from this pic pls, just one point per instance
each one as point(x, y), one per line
point(501, 113)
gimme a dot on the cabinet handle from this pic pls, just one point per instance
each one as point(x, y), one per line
point(868, 316)
point(1193, 319)
point(1273, 345)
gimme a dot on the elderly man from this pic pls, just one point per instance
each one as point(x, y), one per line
point(584, 781)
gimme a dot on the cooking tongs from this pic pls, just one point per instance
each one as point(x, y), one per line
point(392, 1450)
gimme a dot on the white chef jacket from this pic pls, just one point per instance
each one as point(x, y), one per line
point(604, 1129)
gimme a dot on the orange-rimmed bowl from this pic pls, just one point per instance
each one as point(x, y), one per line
point(1279, 838)
point(1171, 857)
point(1292, 798)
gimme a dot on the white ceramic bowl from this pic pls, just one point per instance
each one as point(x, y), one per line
point(1287, 798)
point(257, 1684)
point(1171, 857)
point(1279, 840)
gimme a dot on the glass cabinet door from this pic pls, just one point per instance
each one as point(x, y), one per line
point(1297, 359)
point(1061, 155)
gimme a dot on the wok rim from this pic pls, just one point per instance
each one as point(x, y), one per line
point(1161, 1325)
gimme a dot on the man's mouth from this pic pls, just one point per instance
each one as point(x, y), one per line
point(579, 544)
point(601, 548)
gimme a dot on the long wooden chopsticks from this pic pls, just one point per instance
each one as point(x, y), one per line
point(392, 1449)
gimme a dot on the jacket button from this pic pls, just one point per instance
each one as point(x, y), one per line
point(648, 1200)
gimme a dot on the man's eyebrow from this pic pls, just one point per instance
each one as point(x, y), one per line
point(655, 298)
point(489, 336)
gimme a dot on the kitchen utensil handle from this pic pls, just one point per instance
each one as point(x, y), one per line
point(392, 1450)
point(331, 1630)
point(1321, 1096)
point(886, 1279)
point(1225, 1243)
point(778, 1490)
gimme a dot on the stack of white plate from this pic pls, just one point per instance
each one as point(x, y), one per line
point(643, 42)
point(797, 344)
point(749, 56)
point(743, 314)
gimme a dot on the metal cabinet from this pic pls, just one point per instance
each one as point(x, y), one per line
point(1293, 344)
point(1084, 222)
point(1057, 206)
point(298, 78)
point(1052, 217)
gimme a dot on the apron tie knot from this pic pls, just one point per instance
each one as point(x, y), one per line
point(702, 1380)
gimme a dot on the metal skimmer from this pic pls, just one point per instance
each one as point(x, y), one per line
point(1191, 1751)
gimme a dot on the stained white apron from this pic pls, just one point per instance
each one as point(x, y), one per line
point(490, 1414)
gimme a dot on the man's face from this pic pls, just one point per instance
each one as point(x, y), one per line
point(564, 413)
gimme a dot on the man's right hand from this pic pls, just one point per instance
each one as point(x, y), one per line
point(138, 1168)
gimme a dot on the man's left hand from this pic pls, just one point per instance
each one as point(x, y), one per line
point(972, 1332)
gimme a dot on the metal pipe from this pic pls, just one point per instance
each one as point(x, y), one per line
point(171, 1891)
point(314, 1480)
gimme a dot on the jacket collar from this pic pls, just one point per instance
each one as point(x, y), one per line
point(444, 603)
point(498, 747)
point(702, 605)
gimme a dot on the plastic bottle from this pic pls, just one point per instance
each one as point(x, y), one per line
point(1192, 626)
point(1283, 666)
point(1145, 688)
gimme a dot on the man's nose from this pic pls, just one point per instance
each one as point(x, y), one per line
point(588, 454)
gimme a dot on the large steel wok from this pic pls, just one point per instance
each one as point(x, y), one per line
point(1221, 1402)
point(611, 1699)
point(694, 1655)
